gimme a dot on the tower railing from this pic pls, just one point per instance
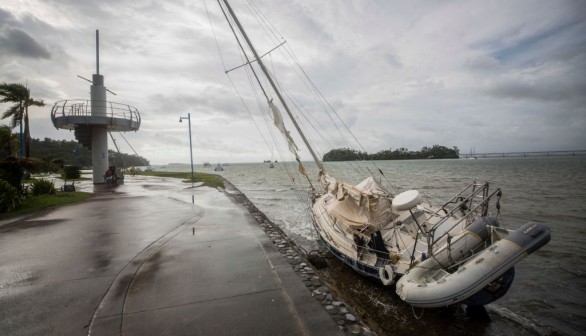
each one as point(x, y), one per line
point(83, 108)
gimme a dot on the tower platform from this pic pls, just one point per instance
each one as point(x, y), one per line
point(77, 115)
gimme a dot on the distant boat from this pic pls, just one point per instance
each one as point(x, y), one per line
point(218, 167)
point(206, 164)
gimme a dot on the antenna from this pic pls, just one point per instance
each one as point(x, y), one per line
point(97, 52)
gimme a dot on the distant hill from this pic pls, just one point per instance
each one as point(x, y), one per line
point(73, 153)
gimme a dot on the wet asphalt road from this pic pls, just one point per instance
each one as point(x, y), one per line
point(141, 259)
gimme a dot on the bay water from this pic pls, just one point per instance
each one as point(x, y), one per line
point(548, 296)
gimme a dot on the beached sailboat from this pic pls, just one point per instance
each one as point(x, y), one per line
point(434, 254)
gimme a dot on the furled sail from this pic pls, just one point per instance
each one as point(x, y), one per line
point(278, 120)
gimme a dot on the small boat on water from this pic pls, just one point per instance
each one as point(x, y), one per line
point(218, 167)
point(435, 254)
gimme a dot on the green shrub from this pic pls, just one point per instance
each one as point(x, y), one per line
point(10, 198)
point(71, 172)
point(43, 187)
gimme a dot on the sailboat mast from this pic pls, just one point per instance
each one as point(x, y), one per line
point(273, 85)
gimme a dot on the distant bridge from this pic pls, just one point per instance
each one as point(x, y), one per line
point(525, 154)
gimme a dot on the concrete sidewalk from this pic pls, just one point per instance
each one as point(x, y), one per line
point(140, 259)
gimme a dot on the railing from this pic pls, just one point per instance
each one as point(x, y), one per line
point(525, 154)
point(472, 202)
point(83, 108)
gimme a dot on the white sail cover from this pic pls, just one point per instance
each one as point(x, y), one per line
point(363, 207)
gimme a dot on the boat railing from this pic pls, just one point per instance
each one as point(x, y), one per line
point(83, 108)
point(465, 205)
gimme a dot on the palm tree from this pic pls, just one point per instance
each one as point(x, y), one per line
point(19, 95)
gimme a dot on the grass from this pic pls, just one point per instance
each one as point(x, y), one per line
point(209, 180)
point(35, 203)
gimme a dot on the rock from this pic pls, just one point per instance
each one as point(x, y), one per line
point(330, 309)
point(317, 261)
point(315, 281)
point(355, 329)
point(350, 317)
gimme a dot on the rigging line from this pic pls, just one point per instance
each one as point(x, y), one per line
point(267, 122)
point(268, 23)
point(305, 80)
point(349, 132)
point(292, 56)
point(298, 105)
point(320, 98)
point(264, 116)
point(129, 145)
point(296, 154)
point(214, 33)
point(267, 30)
point(325, 105)
point(242, 48)
point(276, 79)
point(247, 110)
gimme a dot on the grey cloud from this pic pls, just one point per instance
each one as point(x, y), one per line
point(19, 43)
point(392, 59)
point(542, 92)
point(212, 103)
point(6, 18)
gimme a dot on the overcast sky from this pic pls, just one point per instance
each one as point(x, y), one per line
point(493, 76)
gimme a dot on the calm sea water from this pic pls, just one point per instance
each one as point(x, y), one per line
point(548, 296)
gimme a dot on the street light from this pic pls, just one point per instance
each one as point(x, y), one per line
point(190, 147)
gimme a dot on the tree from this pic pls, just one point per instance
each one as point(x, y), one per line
point(8, 141)
point(19, 95)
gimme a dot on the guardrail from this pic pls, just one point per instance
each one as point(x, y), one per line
point(525, 154)
point(83, 108)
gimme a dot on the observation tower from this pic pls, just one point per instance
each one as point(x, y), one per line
point(91, 120)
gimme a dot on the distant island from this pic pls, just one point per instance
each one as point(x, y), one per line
point(434, 152)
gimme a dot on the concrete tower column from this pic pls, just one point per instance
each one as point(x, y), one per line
point(99, 133)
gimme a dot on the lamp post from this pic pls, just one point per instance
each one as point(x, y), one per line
point(190, 146)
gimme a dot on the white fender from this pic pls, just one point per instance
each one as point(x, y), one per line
point(386, 275)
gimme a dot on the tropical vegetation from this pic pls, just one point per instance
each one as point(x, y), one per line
point(20, 97)
point(434, 152)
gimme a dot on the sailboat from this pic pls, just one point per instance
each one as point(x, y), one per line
point(432, 255)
